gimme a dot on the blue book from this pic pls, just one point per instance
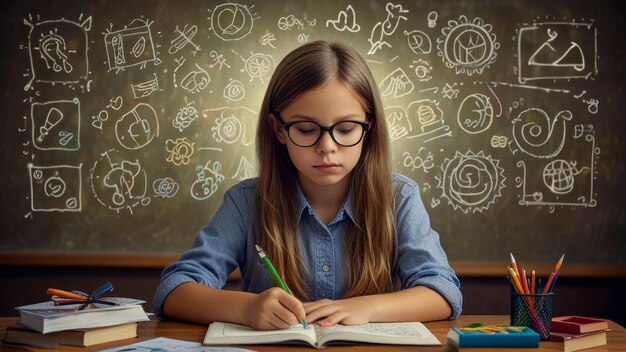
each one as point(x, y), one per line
point(477, 335)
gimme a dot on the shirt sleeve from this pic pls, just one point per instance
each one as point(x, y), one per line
point(421, 259)
point(217, 250)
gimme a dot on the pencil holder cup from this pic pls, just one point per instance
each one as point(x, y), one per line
point(533, 311)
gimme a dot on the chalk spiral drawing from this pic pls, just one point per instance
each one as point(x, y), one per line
point(195, 104)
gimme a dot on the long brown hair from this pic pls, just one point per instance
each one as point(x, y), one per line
point(369, 244)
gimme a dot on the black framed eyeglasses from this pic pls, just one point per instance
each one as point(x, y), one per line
point(303, 133)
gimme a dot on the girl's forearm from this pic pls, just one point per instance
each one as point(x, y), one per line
point(198, 303)
point(413, 304)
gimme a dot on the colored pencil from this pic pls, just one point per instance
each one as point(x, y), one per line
point(546, 288)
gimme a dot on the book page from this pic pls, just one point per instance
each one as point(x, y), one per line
point(399, 333)
point(233, 333)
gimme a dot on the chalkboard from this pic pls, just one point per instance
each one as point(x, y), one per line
point(125, 121)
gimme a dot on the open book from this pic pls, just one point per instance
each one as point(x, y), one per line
point(412, 333)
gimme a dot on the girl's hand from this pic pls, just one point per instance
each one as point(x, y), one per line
point(273, 309)
point(326, 312)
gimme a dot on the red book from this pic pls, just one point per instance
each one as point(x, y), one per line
point(572, 324)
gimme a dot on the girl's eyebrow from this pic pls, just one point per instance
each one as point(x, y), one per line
point(342, 117)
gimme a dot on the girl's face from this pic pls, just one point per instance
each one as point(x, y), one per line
point(326, 163)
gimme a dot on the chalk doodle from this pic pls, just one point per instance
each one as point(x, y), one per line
point(131, 46)
point(145, 88)
point(287, 23)
point(208, 180)
point(396, 84)
point(230, 124)
point(430, 118)
point(230, 21)
point(475, 113)
point(557, 50)
point(422, 70)
point(471, 182)
point(257, 65)
point(432, 19)
point(99, 119)
point(118, 183)
point(419, 42)
point(185, 116)
point(538, 135)
point(180, 151)
point(267, 39)
point(56, 125)
point(346, 21)
point(218, 59)
point(138, 127)
point(195, 80)
point(245, 169)
point(57, 51)
point(386, 28)
point(184, 37)
point(449, 91)
point(55, 188)
point(419, 161)
point(165, 187)
point(562, 182)
point(234, 91)
point(467, 47)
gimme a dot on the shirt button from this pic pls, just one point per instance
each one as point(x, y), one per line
point(325, 268)
point(324, 294)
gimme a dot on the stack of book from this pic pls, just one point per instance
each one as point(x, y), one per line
point(48, 324)
point(578, 332)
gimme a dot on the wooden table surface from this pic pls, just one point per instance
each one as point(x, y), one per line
point(616, 338)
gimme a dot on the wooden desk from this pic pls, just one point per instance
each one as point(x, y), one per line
point(616, 339)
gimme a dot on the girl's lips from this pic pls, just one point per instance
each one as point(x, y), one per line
point(326, 167)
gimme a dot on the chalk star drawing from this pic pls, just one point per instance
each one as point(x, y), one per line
point(468, 47)
point(471, 182)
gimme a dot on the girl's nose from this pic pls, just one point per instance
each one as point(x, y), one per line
point(326, 144)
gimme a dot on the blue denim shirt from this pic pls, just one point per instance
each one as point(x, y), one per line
point(228, 242)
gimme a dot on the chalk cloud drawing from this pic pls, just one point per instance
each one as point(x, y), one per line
point(419, 42)
point(57, 51)
point(208, 180)
point(138, 127)
point(118, 183)
point(179, 151)
point(56, 125)
point(55, 188)
point(557, 50)
point(397, 84)
point(184, 37)
point(165, 187)
point(538, 135)
point(231, 124)
point(231, 21)
point(475, 114)
point(386, 28)
point(471, 182)
point(467, 47)
point(131, 46)
point(346, 21)
point(185, 116)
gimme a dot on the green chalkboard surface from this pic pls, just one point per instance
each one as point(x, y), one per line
point(125, 121)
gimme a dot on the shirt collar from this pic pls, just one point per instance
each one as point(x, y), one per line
point(303, 204)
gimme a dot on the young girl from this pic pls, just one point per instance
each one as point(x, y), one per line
point(351, 239)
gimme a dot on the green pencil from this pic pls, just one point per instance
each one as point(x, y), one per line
point(274, 274)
